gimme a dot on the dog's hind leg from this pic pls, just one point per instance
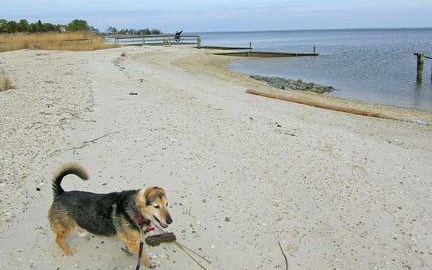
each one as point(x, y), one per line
point(63, 226)
point(61, 236)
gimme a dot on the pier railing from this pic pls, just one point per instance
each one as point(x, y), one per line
point(420, 65)
point(155, 39)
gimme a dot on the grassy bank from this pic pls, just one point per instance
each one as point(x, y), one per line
point(71, 41)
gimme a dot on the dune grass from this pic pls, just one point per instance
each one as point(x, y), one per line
point(70, 41)
point(5, 82)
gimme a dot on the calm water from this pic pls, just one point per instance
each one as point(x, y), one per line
point(370, 65)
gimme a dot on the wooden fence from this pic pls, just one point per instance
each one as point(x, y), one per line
point(155, 39)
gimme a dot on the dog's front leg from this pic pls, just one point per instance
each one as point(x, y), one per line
point(132, 243)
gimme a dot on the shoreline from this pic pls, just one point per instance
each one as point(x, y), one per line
point(219, 65)
point(359, 94)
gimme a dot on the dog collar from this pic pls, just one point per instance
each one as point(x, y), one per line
point(139, 218)
point(141, 221)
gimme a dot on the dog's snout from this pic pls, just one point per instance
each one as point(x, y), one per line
point(169, 220)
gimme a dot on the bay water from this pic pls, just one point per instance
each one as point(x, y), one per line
point(373, 65)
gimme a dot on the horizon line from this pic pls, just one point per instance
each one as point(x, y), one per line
point(320, 29)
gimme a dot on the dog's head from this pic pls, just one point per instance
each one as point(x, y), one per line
point(154, 205)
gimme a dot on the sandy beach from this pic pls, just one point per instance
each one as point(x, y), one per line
point(242, 172)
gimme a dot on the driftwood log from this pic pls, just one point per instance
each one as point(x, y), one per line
point(155, 240)
point(282, 96)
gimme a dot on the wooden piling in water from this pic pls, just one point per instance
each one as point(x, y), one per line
point(198, 42)
point(429, 57)
point(420, 66)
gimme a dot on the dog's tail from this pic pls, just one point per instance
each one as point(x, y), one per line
point(65, 169)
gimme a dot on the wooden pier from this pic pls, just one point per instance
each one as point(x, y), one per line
point(266, 54)
point(224, 48)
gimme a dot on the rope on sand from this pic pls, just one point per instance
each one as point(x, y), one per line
point(186, 250)
point(190, 256)
point(283, 253)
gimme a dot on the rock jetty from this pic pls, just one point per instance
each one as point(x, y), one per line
point(299, 85)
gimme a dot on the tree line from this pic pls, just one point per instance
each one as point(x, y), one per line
point(75, 25)
point(112, 30)
point(39, 26)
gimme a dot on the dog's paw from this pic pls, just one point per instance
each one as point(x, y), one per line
point(68, 252)
point(150, 264)
point(126, 250)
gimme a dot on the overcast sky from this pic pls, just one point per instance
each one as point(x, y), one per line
point(224, 15)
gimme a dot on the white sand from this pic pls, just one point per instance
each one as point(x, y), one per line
point(242, 172)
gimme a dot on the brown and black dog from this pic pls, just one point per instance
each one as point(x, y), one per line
point(117, 214)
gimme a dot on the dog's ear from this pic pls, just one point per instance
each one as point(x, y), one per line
point(144, 196)
point(148, 195)
point(141, 197)
point(151, 193)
